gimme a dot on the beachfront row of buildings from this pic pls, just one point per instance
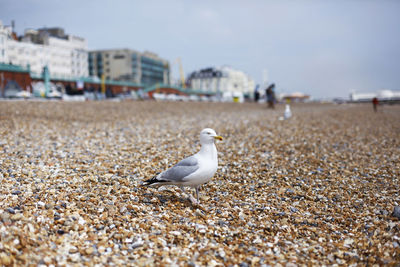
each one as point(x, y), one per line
point(67, 57)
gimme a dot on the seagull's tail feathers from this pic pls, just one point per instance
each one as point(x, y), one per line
point(155, 181)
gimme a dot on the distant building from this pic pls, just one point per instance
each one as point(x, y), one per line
point(222, 80)
point(129, 65)
point(65, 55)
point(382, 95)
point(4, 34)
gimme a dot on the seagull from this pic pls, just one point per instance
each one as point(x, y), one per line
point(288, 112)
point(192, 171)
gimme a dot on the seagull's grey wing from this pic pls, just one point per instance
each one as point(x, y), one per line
point(182, 169)
point(189, 161)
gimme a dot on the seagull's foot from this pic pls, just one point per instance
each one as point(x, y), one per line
point(193, 200)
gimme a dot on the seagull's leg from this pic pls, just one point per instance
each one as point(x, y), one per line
point(193, 200)
point(197, 194)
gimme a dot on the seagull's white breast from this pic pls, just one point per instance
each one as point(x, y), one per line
point(208, 165)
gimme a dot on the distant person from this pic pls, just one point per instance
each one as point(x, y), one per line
point(270, 94)
point(68, 89)
point(109, 93)
point(96, 93)
point(375, 103)
point(256, 95)
point(140, 94)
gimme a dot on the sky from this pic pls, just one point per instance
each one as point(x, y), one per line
point(322, 48)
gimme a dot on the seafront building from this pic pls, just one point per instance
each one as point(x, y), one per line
point(66, 56)
point(47, 62)
point(224, 81)
point(382, 95)
point(4, 33)
point(129, 65)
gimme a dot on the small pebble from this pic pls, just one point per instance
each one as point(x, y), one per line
point(10, 210)
point(396, 212)
point(292, 209)
point(60, 232)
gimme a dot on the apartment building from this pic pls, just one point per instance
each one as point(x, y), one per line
point(4, 33)
point(221, 80)
point(129, 65)
point(66, 56)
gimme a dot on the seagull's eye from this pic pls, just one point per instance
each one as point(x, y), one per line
point(208, 133)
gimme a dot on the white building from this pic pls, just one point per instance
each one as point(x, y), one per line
point(224, 81)
point(4, 33)
point(381, 95)
point(65, 55)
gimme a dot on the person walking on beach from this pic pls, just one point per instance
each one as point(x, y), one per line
point(375, 103)
point(270, 94)
point(256, 94)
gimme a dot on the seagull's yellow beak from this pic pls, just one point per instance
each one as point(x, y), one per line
point(218, 137)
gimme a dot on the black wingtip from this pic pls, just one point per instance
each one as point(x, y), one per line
point(151, 181)
point(147, 182)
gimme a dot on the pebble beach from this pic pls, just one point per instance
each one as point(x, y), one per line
point(321, 188)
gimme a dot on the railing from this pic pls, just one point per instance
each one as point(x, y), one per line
point(155, 87)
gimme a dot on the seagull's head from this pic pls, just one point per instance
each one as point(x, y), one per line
point(207, 136)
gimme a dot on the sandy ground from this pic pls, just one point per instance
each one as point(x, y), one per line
point(317, 189)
